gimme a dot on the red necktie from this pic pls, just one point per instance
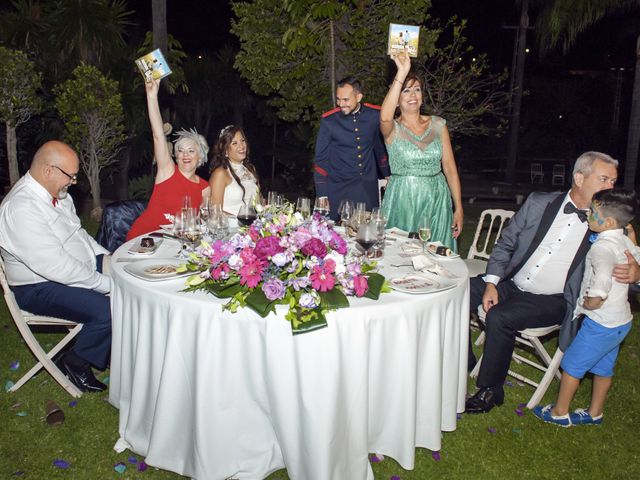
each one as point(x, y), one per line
point(54, 201)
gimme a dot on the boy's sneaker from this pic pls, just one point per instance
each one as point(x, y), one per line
point(582, 417)
point(544, 414)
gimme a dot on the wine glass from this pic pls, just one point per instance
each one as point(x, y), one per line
point(345, 211)
point(186, 202)
point(381, 223)
point(321, 205)
point(303, 205)
point(424, 231)
point(271, 198)
point(205, 213)
point(191, 226)
point(246, 214)
point(366, 236)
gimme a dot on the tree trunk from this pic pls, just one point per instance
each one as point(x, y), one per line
point(94, 180)
point(159, 20)
point(12, 153)
point(633, 138)
point(122, 189)
point(332, 56)
point(514, 123)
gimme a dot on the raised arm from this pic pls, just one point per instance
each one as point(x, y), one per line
point(451, 173)
point(403, 62)
point(166, 167)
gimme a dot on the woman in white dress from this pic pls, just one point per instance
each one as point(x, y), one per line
point(234, 180)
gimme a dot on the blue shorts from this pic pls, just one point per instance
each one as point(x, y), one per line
point(594, 349)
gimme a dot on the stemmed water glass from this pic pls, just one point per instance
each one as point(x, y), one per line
point(303, 205)
point(424, 231)
point(205, 213)
point(380, 222)
point(321, 205)
point(346, 212)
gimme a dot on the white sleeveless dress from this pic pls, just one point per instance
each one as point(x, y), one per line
point(233, 197)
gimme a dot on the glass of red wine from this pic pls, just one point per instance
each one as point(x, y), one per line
point(367, 236)
point(246, 214)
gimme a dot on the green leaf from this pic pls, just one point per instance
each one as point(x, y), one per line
point(316, 322)
point(375, 281)
point(333, 299)
point(259, 303)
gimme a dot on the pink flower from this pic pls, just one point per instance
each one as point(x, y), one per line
point(251, 273)
point(267, 247)
point(221, 271)
point(254, 233)
point(322, 278)
point(338, 243)
point(314, 248)
point(360, 285)
point(273, 289)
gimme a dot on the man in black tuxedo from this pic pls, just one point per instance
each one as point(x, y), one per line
point(535, 270)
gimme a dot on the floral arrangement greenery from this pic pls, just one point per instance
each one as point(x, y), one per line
point(283, 259)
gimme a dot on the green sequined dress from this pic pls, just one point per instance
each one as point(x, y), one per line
point(417, 186)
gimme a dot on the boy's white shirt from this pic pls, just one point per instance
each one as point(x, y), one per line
point(605, 253)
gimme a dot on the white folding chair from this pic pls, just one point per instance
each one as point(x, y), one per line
point(24, 321)
point(487, 233)
point(536, 172)
point(557, 174)
point(382, 183)
point(530, 337)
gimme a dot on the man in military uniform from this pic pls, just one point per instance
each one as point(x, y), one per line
point(350, 153)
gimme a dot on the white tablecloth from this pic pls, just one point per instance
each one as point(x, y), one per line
point(212, 395)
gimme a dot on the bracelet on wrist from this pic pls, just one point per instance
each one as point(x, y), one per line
point(396, 80)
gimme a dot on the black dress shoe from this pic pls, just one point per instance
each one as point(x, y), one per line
point(484, 400)
point(82, 377)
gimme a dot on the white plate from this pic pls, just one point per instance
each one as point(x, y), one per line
point(138, 249)
point(149, 269)
point(421, 283)
point(439, 244)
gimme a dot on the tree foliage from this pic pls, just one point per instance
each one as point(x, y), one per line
point(19, 100)
point(459, 87)
point(295, 50)
point(89, 105)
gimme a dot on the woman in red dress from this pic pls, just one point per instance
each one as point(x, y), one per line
point(174, 181)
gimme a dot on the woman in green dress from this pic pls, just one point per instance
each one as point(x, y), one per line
point(424, 177)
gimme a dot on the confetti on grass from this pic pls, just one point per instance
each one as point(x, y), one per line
point(120, 467)
point(73, 403)
point(142, 466)
point(459, 416)
point(436, 456)
point(22, 414)
point(18, 474)
point(60, 463)
point(507, 383)
point(133, 460)
point(373, 458)
point(14, 366)
point(491, 430)
point(7, 386)
point(519, 412)
point(395, 477)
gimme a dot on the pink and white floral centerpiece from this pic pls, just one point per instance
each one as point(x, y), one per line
point(282, 259)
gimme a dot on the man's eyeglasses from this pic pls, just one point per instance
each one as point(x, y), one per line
point(73, 178)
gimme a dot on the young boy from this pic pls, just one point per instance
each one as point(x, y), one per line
point(607, 314)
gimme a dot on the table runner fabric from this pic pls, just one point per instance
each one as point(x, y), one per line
point(212, 395)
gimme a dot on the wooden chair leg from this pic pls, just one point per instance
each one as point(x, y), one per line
point(553, 370)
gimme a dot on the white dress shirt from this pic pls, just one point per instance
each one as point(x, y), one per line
point(42, 242)
point(545, 272)
point(607, 252)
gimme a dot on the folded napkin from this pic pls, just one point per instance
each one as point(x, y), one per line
point(412, 247)
point(422, 263)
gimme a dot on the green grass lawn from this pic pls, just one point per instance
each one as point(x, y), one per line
point(500, 444)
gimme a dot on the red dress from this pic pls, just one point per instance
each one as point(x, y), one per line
point(167, 197)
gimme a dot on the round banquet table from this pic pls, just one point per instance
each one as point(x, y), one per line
point(214, 395)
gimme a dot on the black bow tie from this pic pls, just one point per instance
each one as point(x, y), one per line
point(571, 208)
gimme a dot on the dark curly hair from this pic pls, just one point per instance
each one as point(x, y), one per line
point(221, 159)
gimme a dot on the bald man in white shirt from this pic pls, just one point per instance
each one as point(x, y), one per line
point(54, 267)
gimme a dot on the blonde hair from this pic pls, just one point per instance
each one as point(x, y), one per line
point(193, 137)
